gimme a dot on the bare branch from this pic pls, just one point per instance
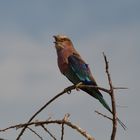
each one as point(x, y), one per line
point(60, 122)
point(114, 130)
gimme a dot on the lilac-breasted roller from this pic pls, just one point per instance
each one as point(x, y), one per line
point(76, 69)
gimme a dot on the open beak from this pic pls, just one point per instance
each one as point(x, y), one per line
point(57, 43)
point(55, 37)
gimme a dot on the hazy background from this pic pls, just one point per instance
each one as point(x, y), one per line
point(29, 75)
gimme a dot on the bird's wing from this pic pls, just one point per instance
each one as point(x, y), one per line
point(81, 69)
point(80, 72)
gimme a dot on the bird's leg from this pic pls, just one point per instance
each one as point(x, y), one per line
point(77, 86)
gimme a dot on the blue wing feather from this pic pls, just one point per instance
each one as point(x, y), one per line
point(81, 69)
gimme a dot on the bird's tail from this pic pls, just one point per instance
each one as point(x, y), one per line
point(122, 124)
point(104, 103)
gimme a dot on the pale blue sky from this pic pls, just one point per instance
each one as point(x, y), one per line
point(29, 75)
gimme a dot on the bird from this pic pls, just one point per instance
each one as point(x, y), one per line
point(76, 69)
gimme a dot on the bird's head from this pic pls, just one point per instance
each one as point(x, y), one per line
point(61, 42)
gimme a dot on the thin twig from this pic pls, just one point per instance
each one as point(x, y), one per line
point(62, 127)
point(35, 133)
point(62, 131)
point(51, 135)
point(114, 129)
point(120, 88)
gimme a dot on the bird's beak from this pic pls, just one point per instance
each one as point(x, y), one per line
point(57, 43)
point(55, 37)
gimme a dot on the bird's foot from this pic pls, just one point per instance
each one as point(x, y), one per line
point(68, 90)
point(77, 86)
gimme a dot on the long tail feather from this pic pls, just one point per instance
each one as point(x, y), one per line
point(104, 103)
point(122, 124)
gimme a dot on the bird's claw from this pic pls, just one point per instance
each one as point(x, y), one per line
point(77, 86)
point(69, 91)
